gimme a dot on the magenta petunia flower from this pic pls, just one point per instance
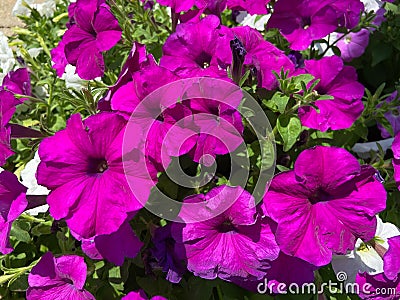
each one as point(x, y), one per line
point(137, 59)
point(303, 21)
point(341, 83)
point(58, 278)
point(396, 159)
point(18, 82)
point(261, 56)
point(113, 247)
point(371, 287)
point(169, 254)
point(353, 45)
point(178, 6)
point(392, 116)
point(12, 203)
point(82, 166)
point(191, 50)
point(253, 7)
point(58, 57)
point(7, 108)
point(94, 30)
point(348, 12)
point(391, 259)
point(140, 295)
point(324, 204)
point(236, 244)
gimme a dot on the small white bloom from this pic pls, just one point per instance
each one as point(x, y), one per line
point(72, 80)
point(28, 178)
point(256, 21)
point(20, 9)
point(372, 5)
point(46, 8)
point(34, 52)
point(364, 257)
point(7, 60)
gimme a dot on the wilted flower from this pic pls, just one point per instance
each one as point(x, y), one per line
point(64, 277)
point(324, 204)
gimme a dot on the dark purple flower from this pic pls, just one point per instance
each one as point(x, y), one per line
point(169, 254)
point(297, 59)
point(353, 45)
point(236, 244)
point(94, 31)
point(303, 21)
point(113, 247)
point(324, 204)
point(393, 116)
point(82, 166)
point(341, 83)
point(191, 50)
point(58, 278)
point(12, 203)
point(372, 287)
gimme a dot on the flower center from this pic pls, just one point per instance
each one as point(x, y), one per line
point(203, 60)
point(227, 227)
point(97, 166)
point(319, 196)
point(305, 22)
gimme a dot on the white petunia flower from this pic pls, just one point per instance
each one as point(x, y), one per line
point(72, 80)
point(372, 5)
point(28, 178)
point(256, 21)
point(363, 149)
point(364, 258)
point(7, 60)
point(46, 8)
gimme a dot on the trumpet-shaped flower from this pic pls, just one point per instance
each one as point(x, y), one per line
point(324, 204)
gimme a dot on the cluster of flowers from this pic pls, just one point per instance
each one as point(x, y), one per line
point(322, 209)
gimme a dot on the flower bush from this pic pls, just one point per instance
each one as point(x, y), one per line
point(200, 149)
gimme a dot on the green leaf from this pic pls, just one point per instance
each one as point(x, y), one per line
point(280, 100)
point(289, 128)
point(306, 78)
point(19, 233)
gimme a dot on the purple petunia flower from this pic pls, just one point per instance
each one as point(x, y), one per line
point(348, 12)
point(237, 244)
point(353, 45)
point(140, 295)
point(7, 108)
point(58, 278)
point(113, 247)
point(178, 6)
point(303, 21)
point(391, 259)
point(253, 7)
point(191, 50)
point(340, 82)
point(392, 116)
point(93, 31)
point(12, 203)
point(86, 175)
point(396, 159)
point(137, 59)
point(324, 204)
point(18, 82)
point(169, 253)
point(371, 287)
point(261, 56)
